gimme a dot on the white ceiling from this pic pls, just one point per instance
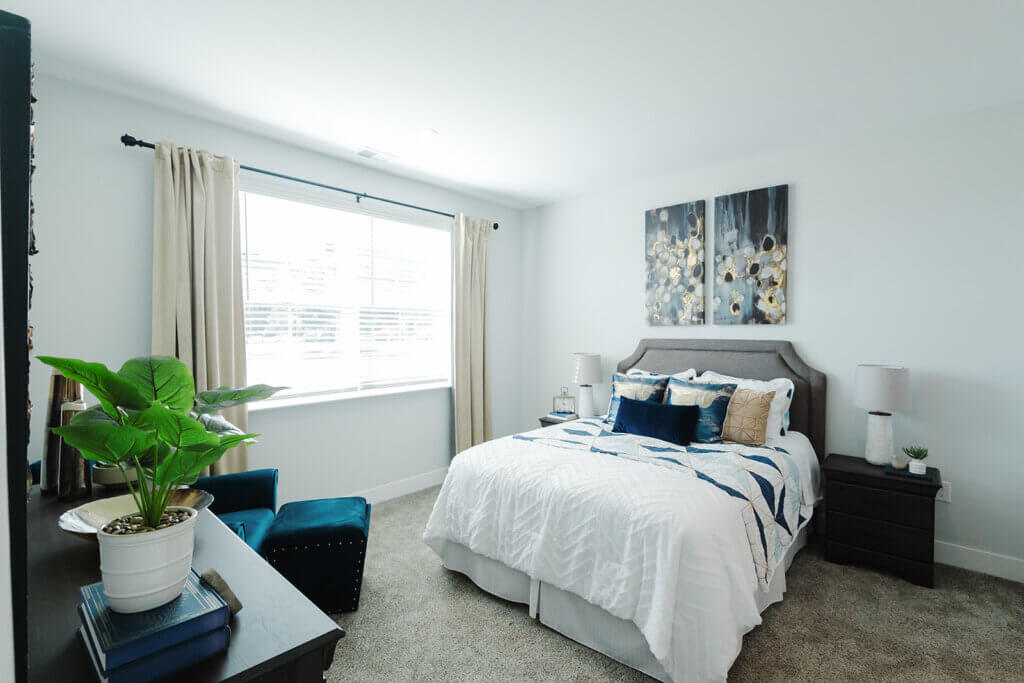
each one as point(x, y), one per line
point(536, 100)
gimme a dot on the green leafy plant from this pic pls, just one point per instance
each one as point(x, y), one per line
point(149, 416)
point(916, 452)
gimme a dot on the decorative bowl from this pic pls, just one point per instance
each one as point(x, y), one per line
point(83, 520)
point(111, 476)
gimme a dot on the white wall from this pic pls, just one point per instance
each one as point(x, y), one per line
point(94, 281)
point(904, 248)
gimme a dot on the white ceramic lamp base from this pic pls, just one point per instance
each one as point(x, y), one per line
point(586, 407)
point(878, 448)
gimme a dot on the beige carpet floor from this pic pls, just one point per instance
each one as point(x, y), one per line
point(420, 622)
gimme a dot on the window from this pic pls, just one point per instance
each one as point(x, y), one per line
point(339, 301)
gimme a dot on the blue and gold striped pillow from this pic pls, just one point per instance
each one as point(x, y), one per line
point(641, 387)
point(713, 401)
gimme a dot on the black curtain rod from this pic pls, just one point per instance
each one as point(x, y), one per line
point(131, 141)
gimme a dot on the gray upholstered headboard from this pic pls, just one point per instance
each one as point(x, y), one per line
point(752, 358)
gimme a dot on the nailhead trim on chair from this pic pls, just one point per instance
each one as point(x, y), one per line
point(358, 569)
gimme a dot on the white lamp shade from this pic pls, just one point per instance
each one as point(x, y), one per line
point(882, 388)
point(588, 369)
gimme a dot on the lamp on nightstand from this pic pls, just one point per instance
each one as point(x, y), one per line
point(587, 374)
point(881, 390)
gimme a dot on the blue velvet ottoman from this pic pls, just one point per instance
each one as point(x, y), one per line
point(320, 546)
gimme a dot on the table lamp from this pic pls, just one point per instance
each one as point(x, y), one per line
point(587, 374)
point(881, 390)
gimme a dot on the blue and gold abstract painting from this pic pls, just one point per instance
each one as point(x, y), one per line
point(751, 264)
point(674, 248)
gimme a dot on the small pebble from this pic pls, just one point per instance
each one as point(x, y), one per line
point(134, 524)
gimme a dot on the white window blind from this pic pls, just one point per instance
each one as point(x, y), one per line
point(340, 301)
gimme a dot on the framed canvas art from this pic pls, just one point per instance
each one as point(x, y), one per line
point(674, 248)
point(751, 265)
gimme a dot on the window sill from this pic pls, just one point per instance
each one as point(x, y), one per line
point(342, 396)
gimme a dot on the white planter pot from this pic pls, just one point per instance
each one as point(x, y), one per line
point(918, 467)
point(143, 571)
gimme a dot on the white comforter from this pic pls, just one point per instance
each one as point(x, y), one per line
point(649, 542)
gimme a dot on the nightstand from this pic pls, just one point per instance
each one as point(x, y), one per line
point(546, 421)
point(880, 519)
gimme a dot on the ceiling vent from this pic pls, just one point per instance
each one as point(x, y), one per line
point(375, 154)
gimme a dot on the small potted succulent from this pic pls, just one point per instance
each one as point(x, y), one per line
point(917, 454)
point(160, 434)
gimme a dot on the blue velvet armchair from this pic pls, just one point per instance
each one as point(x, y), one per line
point(246, 502)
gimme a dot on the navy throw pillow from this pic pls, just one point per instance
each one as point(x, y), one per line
point(675, 424)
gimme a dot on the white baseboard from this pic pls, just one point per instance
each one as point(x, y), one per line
point(394, 489)
point(1003, 566)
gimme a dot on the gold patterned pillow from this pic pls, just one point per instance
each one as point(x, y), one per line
point(747, 418)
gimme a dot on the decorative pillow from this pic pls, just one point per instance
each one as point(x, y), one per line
point(675, 424)
point(685, 374)
point(643, 373)
point(646, 387)
point(711, 399)
point(747, 417)
point(778, 417)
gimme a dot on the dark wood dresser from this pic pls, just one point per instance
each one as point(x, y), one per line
point(880, 519)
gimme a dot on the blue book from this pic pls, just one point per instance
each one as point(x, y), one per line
point(889, 469)
point(163, 663)
point(123, 638)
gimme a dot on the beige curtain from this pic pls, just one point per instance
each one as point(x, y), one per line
point(472, 390)
point(197, 274)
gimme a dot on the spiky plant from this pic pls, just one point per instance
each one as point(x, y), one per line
point(149, 416)
point(916, 452)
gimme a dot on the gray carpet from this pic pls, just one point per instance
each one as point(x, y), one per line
point(417, 621)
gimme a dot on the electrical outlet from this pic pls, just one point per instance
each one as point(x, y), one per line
point(945, 494)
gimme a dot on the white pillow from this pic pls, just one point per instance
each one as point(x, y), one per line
point(778, 413)
point(684, 375)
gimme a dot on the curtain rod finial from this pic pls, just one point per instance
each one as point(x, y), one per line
point(128, 140)
point(495, 226)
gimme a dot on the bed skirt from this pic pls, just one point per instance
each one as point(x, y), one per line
point(582, 621)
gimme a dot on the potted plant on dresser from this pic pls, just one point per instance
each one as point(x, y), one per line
point(160, 434)
point(917, 454)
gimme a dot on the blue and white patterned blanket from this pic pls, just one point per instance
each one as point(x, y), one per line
point(674, 539)
point(764, 477)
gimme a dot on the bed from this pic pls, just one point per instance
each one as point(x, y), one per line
point(659, 556)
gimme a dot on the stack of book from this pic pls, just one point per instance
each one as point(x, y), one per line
point(561, 417)
point(147, 646)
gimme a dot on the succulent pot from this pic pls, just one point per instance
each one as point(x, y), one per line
point(145, 570)
point(918, 467)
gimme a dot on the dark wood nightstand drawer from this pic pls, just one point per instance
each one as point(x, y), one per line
point(885, 537)
point(863, 501)
point(921, 573)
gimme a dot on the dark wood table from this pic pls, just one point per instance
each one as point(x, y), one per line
point(278, 636)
